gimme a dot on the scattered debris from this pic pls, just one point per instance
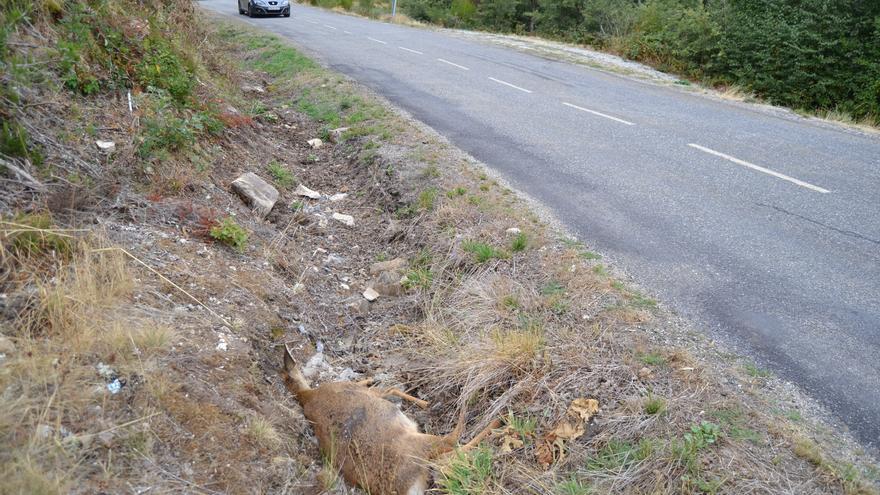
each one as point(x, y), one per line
point(256, 192)
point(513, 231)
point(346, 219)
point(338, 197)
point(315, 143)
point(302, 190)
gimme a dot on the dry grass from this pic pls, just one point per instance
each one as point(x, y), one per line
point(50, 384)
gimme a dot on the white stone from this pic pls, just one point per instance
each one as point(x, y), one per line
point(346, 219)
point(252, 88)
point(257, 193)
point(105, 146)
point(513, 231)
point(338, 197)
point(370, 294)
point(304, 191)
point(315, 143)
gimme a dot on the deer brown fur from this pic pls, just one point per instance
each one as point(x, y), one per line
point(368, 438)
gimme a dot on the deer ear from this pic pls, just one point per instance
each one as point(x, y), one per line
point(289, 362)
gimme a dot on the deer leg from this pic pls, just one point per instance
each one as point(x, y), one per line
point(480, 436)
point(366, 382)
point(405, 396)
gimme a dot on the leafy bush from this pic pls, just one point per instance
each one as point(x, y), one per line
point(230, 233)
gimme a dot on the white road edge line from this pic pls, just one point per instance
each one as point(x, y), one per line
point(499, 81)
point(453, 64)
point(377, 41)
point(600, 114)
point(760, 169)
point(329, 26)
point(410, 50)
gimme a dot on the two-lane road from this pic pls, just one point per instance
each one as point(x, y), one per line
point(763, 227)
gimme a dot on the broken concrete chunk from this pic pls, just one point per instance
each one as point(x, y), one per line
point(370, 294)
point(257, 193)
point(343, 218)
point(336, 134)
point(302, 190)
point(385, 266)
point(338, 197)
point(315, 143)
point(105, 146)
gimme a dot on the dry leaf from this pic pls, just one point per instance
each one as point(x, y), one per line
point(510, 441)
point(583, 408)
point(551, 448)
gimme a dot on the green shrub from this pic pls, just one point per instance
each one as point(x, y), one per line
point(482, 252)
point(468, 473)
point(283, 178)
point(34, 235)
point(519, 243)
point(230, 233)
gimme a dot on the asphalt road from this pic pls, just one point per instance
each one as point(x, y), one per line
point(764, 228)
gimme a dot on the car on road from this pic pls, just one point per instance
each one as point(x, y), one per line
point(254, 8)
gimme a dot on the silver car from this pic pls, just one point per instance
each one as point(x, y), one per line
point(254, 8)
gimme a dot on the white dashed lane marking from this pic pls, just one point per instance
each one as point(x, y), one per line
point(760, 169)
point(377, 41)
point(452, 64)
point(600, 114)
point(514, 86)
point(410, 50)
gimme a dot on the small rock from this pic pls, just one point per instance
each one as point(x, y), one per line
point(384, 266)
point(348, 375)
point(222, 345)
point(346, 219)
point(336, 134)
point(513, 231)
point(302, 190)
point(315, 143)
point(6, 345)
point(388, 284)
point(645, 373)
point(394, 231)
point(370, 294)
point(253, 88)
point(256, 192)
point(106, 146)
point(333, 259)
point(338, 197)
point(359, 306)
point(106, 439)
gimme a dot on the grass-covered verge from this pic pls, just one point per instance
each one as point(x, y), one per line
point(817, 57)
point(144, 305)
point(517, 323)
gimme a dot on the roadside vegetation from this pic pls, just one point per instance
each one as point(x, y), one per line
point(143, 305)
point(817, 56)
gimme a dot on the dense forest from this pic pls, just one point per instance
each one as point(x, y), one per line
point(820, 55)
